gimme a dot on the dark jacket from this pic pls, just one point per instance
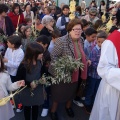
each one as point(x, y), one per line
point(9, 26)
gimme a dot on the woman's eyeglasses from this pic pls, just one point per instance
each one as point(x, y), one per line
point(77, 29)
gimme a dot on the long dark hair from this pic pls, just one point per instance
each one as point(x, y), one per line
point(14, 7)
point(2, 68)
point(32, 51)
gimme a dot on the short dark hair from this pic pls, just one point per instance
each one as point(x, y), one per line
point(101, 34)
point(65, 6)
point(89, 31)
point(3, 8)
point(84, 23)
point(72, 23)
point(16, 40)
point(43, 39)
point(56, 34)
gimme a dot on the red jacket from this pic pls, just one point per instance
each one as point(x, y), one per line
point(15, 17)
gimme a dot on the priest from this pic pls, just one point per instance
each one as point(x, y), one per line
point(107, 102)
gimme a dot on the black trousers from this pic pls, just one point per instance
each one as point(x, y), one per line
point(28, 110)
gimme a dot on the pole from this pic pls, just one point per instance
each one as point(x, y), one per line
point(57, 2)
point(107, 8)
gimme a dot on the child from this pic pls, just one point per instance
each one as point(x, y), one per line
point(27, 34)
point(44, 41)
point(38, 25)
point(89, 42)
point(28, 21)
point(13, 56)
point(93, 77)
point(30, 69)
point(85, 25)
point(55, 35)
point(6, 111)
point(63, 20)
point(21, 29)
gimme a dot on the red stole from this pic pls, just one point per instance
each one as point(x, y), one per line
point(115, 39)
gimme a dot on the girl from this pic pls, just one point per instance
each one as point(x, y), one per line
point(16, 15)
point(27, 33)
point(6, 111)
point(21, 29)
point(28, 13)
point(30, 69)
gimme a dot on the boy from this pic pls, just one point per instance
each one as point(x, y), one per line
point(89, 42)
point(63, 20)
point(93, 77)
point(55, 35)
point(44, 42)
point(12, 59)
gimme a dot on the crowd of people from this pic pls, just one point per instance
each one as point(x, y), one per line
point(35, 34)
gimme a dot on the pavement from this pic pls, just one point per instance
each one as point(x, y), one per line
point(79, 112)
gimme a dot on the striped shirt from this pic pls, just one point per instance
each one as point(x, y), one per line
point(94, 57)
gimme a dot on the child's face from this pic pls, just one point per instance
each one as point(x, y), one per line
point(37, 21)
point(100, 41)
point(22, 28)
point(65, 11)
point(29, 23)
point(16, 10)
point(10, 45)
point(91, 38)
point(115, 22)
point(40, 56)
point(28, 32)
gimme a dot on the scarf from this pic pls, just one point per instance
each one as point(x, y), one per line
point(115, 39)
point(63, 22)
point(83, 59)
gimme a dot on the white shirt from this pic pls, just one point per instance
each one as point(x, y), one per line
point(58, 23)
point(108, 95)
point(14, 57)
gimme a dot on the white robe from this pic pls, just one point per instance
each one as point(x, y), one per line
point(108, 95)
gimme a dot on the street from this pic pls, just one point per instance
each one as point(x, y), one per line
point(80, 114)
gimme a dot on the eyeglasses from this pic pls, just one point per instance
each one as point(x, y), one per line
point(92, 15)
point(79, 29)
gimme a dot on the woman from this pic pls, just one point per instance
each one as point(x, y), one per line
point(5, 22)
point(69, 44)
point(92, 16)
point(16, 15)
point(28, 13)
point(34, 7)
point(102, 8)
point(48, 23)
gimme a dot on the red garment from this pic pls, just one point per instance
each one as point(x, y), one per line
point(15, 17)
point(83, 58)
point(115, 39)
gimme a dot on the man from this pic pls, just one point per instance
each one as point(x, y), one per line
point(107, 102)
